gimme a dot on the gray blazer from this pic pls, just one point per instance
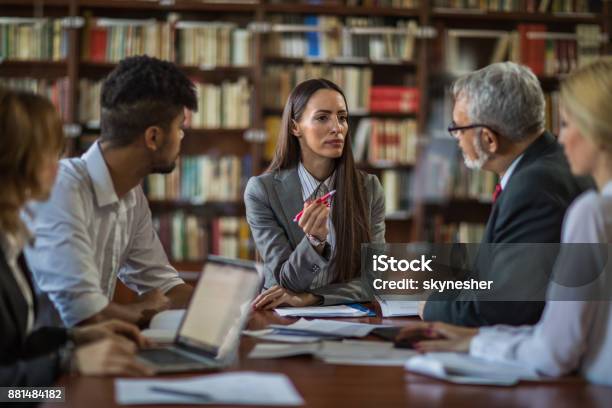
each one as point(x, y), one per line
point(272, 200)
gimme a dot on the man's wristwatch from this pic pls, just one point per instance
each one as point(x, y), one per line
point(316, 242)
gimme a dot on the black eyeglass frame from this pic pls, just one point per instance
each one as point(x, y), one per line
point(452, 128)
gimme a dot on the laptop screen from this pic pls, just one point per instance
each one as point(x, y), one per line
point(220, 304)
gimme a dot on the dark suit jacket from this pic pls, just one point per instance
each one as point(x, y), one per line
point(529, 210)
point(25, 360)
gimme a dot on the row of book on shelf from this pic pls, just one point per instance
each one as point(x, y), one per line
point(356, 83)
point(547, 54)
point(202, 179)
point(377, 142)
point(33, 39)
point(386, 142)
point(57, 91)
point(529, 6)
point(226, 105)
point(332, 38)
point(207, 44)
point(188, 237)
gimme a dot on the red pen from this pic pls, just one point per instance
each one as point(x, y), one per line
point(326, 197)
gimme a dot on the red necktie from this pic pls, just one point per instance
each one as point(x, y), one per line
point(497, 192)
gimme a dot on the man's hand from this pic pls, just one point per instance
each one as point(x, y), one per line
point(149, 304)
point(111, 356)
point(108, 329)
point(279, 296)
point(444, 337)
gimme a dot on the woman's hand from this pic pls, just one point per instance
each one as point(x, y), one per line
point(444, 337)
point(314, 220)
point(279, 296)
point(111, 356)
point(108, 329)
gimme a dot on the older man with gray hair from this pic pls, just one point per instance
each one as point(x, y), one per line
point(499, 123)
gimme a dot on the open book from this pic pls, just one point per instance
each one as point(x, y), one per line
point(164, 325)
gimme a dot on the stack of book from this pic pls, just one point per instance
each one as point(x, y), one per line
point(33, 39)
point(355, 82)
point(55, 90)
point(395, 99)
point(202, 179)
point(386, 142)
point(379, 46)
point(89, 102)
point(111, 40)
point(222, 106)
point(397, 186)
point(186, 237)
point(546, 53)
point(212, 44)
point(231, 237)
point(366, 38)
point(182, 236)
point(561, 6)
point(323, 44)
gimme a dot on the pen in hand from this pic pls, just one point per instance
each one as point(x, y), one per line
point(326, 197)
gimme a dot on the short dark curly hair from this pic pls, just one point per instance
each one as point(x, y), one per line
point(141, 92)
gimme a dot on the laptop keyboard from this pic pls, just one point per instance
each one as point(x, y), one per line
point(166, 357)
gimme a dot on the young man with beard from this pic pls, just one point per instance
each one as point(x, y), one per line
point(97, 225)
point(499, 123)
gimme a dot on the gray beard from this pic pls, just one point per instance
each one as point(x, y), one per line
point(483, 156)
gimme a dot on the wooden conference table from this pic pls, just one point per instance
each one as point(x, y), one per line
point(324, 385)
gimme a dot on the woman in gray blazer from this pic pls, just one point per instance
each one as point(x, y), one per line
point(317, 258)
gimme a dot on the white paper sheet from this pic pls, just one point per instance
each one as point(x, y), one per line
point(322, 311)
point(331, 327)
point(271, 335)
point(164, 325)
point(463, 369)
point(240, 388)
point(396, 308)
point(346, 352)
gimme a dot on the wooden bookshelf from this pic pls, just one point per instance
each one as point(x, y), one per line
point(33, 69)
point(424, 67)
point(173, 5)
point(208, 209)
point(339, 10)
point(514, 17)
point(357, 62)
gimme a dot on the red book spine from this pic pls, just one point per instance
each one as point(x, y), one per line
point(97, 45)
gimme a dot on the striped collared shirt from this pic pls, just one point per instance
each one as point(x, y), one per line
point(309, 186)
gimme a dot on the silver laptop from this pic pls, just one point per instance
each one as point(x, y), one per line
point(209, 333)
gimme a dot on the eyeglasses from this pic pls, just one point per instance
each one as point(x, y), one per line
point(454, 130)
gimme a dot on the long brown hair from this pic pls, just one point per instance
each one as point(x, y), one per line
point(350, 212)
point(30, 130)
